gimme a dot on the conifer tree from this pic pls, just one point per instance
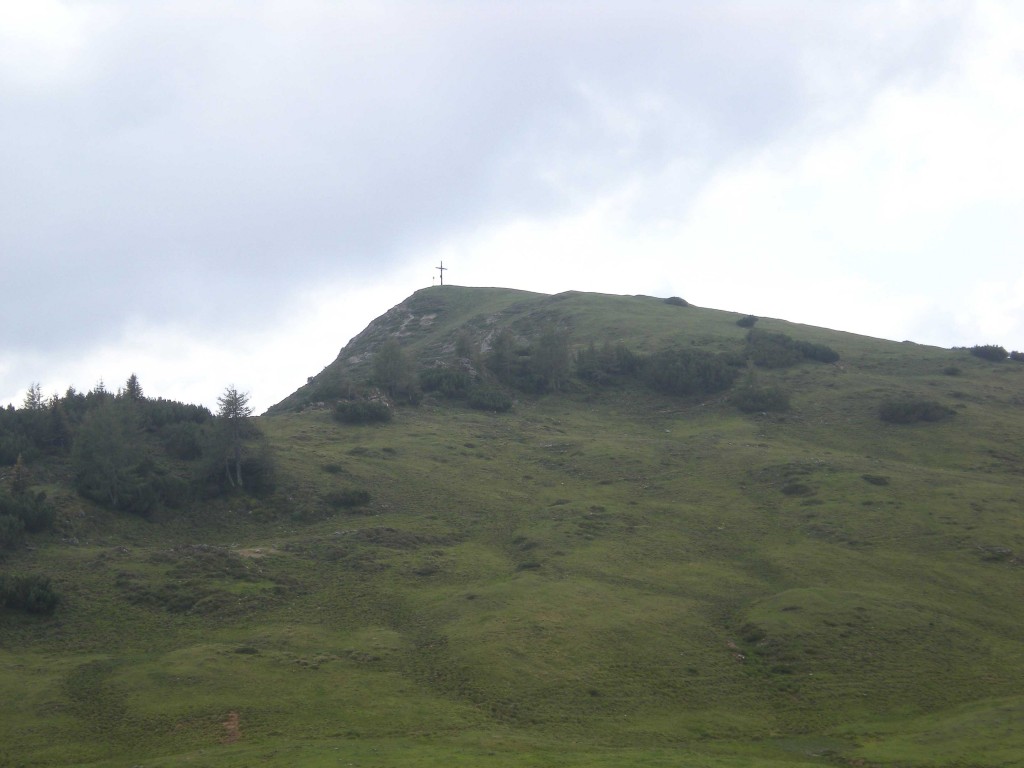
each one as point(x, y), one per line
point(233, 411)
point(132, 389)
point(34, 397)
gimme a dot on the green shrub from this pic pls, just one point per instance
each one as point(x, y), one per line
point(601, 365)
point(485, 398)
point(32, 594)
point(1017, 356)
point(754, 399)
point(747, 322)
point(362, 412)
point(794, 488)
point(183, 441)
point(912, 410)
point(951, 370)
point(818, 352)
point(676, 301)
point(777, 350)
point(12, 531)
point(989, 352)
point(347, 498)
point(688, 372)
point(451, 382)
point(772, 350)
point(32, 509)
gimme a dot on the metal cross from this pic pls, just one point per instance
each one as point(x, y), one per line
point(443, 268)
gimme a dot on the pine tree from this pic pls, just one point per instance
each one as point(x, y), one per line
point(34, 397)
point(233, 411)
point(132, 389)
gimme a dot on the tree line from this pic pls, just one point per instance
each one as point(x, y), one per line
point(134, 453)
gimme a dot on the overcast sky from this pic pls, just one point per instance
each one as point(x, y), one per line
point(211, 193)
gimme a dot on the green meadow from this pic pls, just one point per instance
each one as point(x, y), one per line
point(603, 575)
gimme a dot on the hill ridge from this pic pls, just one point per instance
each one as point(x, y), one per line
point(627, 565)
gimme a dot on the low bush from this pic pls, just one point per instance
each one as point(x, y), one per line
point(32, 593)
point(451, 382)
point(12, 531)
point(676, 301)
point(362, 412)
point(348, 498)
point(796, 489)
point(184, 441)
point(32, 509)
point(754, 399)
point(747, 322)
point(603, 365)
point(772, 350)
point(912, 410)
point(989, 352)
point(1017, 356)
point(489, 399)
point(688, 372)
point(818, 352)
point(777, 350)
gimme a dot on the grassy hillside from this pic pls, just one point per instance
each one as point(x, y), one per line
point(602, 576)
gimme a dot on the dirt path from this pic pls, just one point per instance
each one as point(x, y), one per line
point(232, 732)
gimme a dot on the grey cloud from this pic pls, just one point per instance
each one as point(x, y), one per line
point(209, 161)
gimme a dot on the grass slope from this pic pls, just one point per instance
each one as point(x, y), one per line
point(599, 577)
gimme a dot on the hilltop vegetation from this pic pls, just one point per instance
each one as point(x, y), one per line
point(513, 529)
point(487, 346)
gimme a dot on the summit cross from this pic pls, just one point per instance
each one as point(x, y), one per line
point(442, 269)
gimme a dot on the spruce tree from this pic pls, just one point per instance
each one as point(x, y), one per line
point(34, 397)
point(233, 411)
point(132, 389)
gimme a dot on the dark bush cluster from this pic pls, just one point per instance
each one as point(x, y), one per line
point(543, 364)
point(459, 384)
point(362, 412)
point(32, 593)
point(348, 498)
point(777, 350)
point(910, 410)
point(446, 380)
point(755, 399)
point(876, 479)
point(772, 350)
point(677, 301)
point(123, 460)
point(21, 513)
point(489, 398)
point(609, 363)
point(688, 372)
point(992, 352)
point(818, 352)
point(747, 322)
point(1017, 356)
